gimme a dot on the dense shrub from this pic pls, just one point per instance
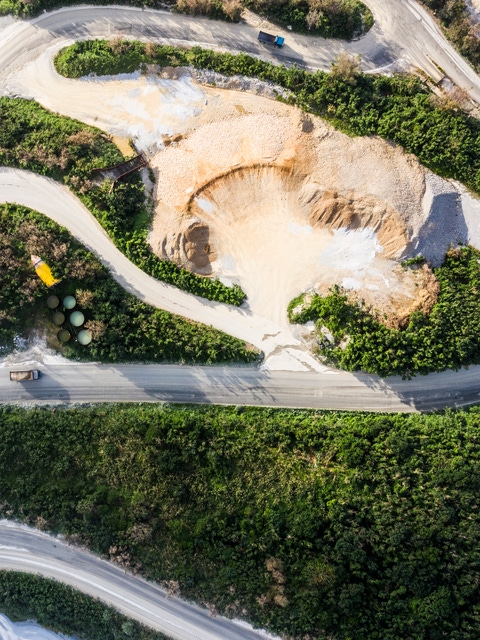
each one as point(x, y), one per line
point(458, 27)
point(314, 524)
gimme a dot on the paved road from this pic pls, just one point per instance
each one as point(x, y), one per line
point(77, 383)
point(28, 550)
point(413, 35)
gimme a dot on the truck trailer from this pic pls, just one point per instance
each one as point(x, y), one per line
point(268, 38)
point(24, 376)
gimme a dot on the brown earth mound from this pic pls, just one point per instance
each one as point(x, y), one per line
point(197, 249)
point(191, 247)
point(394, 310)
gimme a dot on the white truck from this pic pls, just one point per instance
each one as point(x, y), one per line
point(23, 376)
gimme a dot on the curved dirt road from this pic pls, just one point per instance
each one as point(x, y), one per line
point(403, 34)
point(28, 550)
point(58, 203)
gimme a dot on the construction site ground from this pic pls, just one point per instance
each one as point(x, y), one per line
point(261, 194)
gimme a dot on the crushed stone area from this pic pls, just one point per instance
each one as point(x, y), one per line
point(258, 193)
point(31, 353)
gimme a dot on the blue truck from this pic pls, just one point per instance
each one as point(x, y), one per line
point(268, 38)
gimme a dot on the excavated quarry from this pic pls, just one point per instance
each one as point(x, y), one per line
point(263, 195)
point(258, 193)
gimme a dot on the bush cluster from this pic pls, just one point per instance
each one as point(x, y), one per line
point(310, 523)
point(448, 338)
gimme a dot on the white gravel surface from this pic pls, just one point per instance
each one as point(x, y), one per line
point(142, 108)
point(26, 631)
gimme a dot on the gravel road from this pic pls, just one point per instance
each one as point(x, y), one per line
point(59, 204)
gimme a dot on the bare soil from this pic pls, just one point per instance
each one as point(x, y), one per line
point(259, 193)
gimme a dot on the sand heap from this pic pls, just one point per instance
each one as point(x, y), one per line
point(261, 194)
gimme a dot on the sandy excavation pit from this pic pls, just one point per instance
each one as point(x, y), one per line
point(281, 203)
point(258, 193)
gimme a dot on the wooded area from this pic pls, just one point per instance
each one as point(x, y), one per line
point(314, 524)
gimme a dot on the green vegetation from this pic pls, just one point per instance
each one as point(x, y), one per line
point(458, 26)
point(327, 18)
point(314, 524)
point(124, 329)
point(63, 609)
point(67, 150)
point(398, 108)
point(448, 338)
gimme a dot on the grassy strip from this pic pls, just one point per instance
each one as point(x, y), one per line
point(397, 108)
point(448, 338)
point(315, 524)
point(124, 329)
point(67, 150)
point(62, 609)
